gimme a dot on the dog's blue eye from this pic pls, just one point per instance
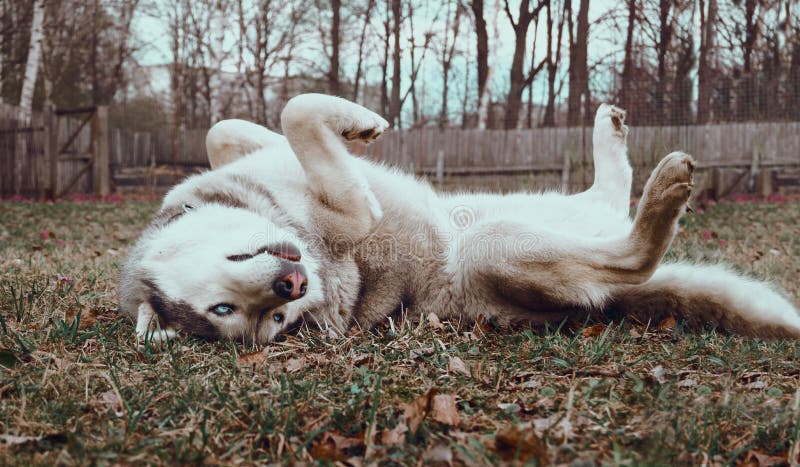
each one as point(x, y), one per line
point(223, 309)
point(278, 317)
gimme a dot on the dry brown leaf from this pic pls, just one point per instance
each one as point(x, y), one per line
point(757, 459)
point(659, 374)
point(513, 443)
point(438, 454)
point(594, 330)
point(252, 358)
point(108, 400)
point(666, 324)
point(434, 322)
point(444, 410)
point(417, 410)
point(88, 317)
point(456, 365)
point(394, 437)
point(441, 408)
point(294, 364)
point(334, 447)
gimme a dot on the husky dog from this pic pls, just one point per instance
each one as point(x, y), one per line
point(294, 227)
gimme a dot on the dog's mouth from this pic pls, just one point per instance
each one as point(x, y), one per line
point(282, 250)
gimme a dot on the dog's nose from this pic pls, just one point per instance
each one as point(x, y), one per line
point(291, 283)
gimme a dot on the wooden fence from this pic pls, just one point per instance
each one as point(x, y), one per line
point(732, 157)
point(53, 152)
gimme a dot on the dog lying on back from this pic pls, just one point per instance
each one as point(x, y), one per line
point(293, 227)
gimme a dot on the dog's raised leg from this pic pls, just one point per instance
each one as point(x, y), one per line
point(525, 261)
point(316, 127)
point(612, 171)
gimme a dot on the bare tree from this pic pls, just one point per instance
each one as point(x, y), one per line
point(626, 86)
point(447, 52)
point(32, 64)
point(707, 54)
point(361, 42)
point(394, 102)
point(578, 62)
point(336, 42)
point(485, 94)
point(482, 47)
point(518, 81)
point(553, 60)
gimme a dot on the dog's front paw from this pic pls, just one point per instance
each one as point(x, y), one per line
point(609, 122)
point(363, 125)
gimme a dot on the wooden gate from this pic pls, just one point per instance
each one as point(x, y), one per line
point(96, 159)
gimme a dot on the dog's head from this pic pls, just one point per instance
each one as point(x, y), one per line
point(217, 272)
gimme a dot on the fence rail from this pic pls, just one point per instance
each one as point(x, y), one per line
point(731, 156)
point(562, 157)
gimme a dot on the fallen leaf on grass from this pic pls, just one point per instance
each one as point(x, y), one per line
point(666, 324)
point(513, 443)
point(108, 400)
point(252, 358)
point(757, 459)
point(443, 409)
point(88, 317)
point(333, 447)
point(440, 407)
point(434, 322)
point(456, 365)
point(438, 454)
point(394, 437)
point(294, 364)
point(258, 358)
point(686, 383)
point(658, 374)
point(594, 330)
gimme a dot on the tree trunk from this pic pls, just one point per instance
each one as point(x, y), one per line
point(793, 102)
point(707, 52)
point(32, 63)
point(336, 39)
point(484, 114)
point(387, 30)
point(549, 119)
point(516, 78)
point(578, 64)
point(626, 97)
point(662, 48)
point(745, 89)
point(394, 103)
point(482, 46)
point(361, 40)
point(448, 51)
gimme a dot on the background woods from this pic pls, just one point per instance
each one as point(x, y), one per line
point(539, 62)
point(169, 69)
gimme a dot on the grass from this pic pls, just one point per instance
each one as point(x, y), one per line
point(74, 388)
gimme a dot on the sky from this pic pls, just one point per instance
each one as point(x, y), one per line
point(152, 30)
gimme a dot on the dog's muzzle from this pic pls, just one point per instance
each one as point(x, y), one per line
point(292, 282)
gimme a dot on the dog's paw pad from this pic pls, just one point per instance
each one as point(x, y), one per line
point(612, 118)
point(364, 126)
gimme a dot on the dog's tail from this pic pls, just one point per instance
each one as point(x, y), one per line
point(711, 296)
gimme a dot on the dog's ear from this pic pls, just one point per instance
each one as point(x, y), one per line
point(230, 140)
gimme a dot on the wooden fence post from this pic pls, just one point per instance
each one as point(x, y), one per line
point(50, 147)
point(440, 168)
point(101, 173)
